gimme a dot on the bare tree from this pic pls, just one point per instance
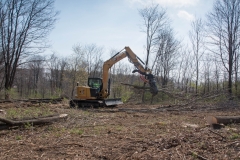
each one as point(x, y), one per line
point(24, 26)
point(77, 68)
point(54, 72)
point(1, 71)
point(217, 74)
point(21, 80)
point(36, 71)
point(62, 64)
point(184, 69)
point(154, 19)
point(179, 67)
point(93, 58)
point(236, 69)
point(206, 75)
point(224, 33)
point(166, 54)
point(197, 43)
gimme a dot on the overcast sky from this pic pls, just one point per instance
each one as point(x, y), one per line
point(114, 24)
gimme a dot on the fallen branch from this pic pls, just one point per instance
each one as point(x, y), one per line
point(218, 134)
point(46, 100)
point(209, 96)
point(236, 142)
point(37, 121)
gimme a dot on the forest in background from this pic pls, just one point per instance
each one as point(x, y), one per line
point(208, 65)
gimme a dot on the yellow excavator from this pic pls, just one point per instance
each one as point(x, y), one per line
point(98, 89)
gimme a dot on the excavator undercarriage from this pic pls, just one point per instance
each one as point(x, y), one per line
point(95, 103)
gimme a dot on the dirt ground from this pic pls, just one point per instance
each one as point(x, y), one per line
point(128, 131)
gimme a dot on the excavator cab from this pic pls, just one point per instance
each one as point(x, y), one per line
point(94, 82)
point(95, 85)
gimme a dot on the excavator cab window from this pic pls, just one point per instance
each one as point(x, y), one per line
point(95, 82)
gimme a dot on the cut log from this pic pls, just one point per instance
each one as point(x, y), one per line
point(38, 121)
point(223, 119)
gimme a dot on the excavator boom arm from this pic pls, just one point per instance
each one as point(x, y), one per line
point(116, 58)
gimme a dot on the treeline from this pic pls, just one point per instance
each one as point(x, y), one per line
point(52, 76)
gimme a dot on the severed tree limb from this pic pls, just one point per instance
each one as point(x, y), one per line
point(232, 143)
point(42, 120)
point(200, 98)
point(218, 134)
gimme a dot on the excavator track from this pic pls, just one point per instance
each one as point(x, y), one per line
point(95, 103)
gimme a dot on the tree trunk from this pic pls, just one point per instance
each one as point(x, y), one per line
point(37, 121)
point(223, 119)
point(7, 96)
point(230, 81)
